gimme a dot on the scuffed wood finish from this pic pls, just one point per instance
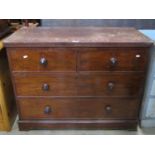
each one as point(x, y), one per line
point(91, 78)
point(28, 59)
point(77, 124)
point(74, 37)
point(90, 59)
point(99, 59)
point(78, 108)
point(82, 84)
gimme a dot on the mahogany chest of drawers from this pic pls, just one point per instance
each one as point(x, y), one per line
point(78, 78)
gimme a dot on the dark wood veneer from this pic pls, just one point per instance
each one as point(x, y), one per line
point(78, 108)
point(99, 59)
point(79, 84)
point(28, 59)
point(83, 78)
point(78, 124)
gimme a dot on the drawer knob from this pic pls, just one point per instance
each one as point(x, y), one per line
point(113, 61)
point(108, 108)
point(43, 61)
point(111, 85)
point(45, 87)
point(47, 110)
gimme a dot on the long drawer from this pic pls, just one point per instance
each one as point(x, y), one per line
point(82, 59)
point(78, 108)
point(80, 84)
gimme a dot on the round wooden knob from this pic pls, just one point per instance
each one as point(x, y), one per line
point(45, 87)
point(113, 61)
point(111, 85)
point(47, 110)
point(108, 108)
point(43, 61)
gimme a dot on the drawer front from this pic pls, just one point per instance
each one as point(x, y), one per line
point(113, 59)
point(69, 108)
point(82, 84)
point(42, 59)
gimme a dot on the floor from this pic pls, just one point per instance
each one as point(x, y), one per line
point(140, 131)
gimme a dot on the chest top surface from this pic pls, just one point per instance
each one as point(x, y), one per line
point(76, 37)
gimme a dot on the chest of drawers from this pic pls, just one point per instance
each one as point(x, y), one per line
point(78, 77)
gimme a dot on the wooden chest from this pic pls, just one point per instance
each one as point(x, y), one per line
point(78, 78)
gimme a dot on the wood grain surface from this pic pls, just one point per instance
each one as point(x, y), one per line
point(79, 36)
point(82, 84)
point(77, 108)
point(78, 77)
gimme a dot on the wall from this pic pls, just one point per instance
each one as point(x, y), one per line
point(137, 23)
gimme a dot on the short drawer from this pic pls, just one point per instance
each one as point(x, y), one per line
point(86, 108)
point(82, 84)
point(113, 59)
point(42, 59)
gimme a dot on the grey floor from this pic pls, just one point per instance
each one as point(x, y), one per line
point(140, 131)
